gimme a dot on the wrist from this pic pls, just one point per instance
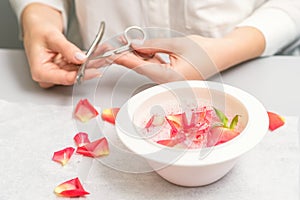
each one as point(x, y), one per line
point(243, 43)
point(39, 19)
point(240, 45)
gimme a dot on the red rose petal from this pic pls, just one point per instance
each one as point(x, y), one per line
point(71, 188)
point(110, 114)
point(63, 156)
point(167, 142)
point(84, 111)
point(176, 140)
point(81, 139)
point(199, 116)
point(173, 132)
point(275, 121)
point(218, 135)
point(94, 149)
point(175, 121)
point(149, 123)
point(174, 127)
point(178, 121)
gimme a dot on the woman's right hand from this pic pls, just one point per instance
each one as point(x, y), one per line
point(53, 60)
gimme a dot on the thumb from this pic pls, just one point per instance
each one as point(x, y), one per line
point(71, 52)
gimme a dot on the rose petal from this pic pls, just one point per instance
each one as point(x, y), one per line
point(175, 121)
point(71, 188)
point(81, 139)
point(149, 123)
point(218, 135)
point(275, 121)
point(179, 138)
point(167, 142)
point(63, 156)
point(173, 132)
point(94, 149)
point(110, 114)
point(84, 111)
point(199, 116)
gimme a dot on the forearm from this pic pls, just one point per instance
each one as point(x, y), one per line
point(241, 44)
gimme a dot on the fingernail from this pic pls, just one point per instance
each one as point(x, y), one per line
point(80, 56)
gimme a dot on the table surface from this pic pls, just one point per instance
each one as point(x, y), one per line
point(274, 81)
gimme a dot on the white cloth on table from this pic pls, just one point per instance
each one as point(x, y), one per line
point(31, 133)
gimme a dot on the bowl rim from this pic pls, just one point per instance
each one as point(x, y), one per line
point(257, 125)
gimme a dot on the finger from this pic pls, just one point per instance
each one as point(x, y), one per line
point(69, 51)
point(100, 49)
point(159, 72)
point(186, 49)
point(155, 58)
point(51, 73)
point(91, 74)
point(97, 63)
point(165, 45)
point(69, 67)
point(128, 60)
point(65, 65)
point(46, 85)
point(132, 60)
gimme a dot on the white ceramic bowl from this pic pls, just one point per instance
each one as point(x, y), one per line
point(192, 167)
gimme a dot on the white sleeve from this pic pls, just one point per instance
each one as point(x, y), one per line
point(278, 21)
point(62, 5)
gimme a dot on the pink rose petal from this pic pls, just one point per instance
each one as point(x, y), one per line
point(94, 149)
point(81, 139)
point(63, 156)
point(84, 111)
point(71, 188)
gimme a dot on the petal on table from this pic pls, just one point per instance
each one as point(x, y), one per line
point(110, 114)
point(94, 149)
point(275, 121)
point(85, 111)
point(71, 188)
point(81, 139)
point(63, 156)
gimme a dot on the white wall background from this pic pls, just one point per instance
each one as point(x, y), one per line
point(8, 27)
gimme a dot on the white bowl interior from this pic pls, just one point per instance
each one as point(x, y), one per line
point(132, 117)
point(179, 100)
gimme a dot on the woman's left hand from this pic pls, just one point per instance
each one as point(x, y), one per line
point(193, 57)
point(170, 59)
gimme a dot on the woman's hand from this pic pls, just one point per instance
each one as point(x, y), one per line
point(168, 59)
point(194, 56)
point(52, 58)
